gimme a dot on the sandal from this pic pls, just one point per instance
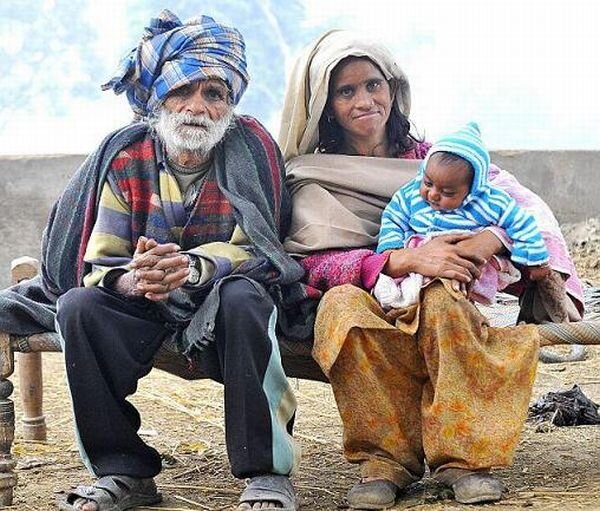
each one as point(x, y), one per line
point(376, 494)
point(270, 488)
point(113, 493)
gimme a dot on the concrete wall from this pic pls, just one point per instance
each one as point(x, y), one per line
point(568, 180)
point(28, 188)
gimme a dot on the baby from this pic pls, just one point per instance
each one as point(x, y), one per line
point(451, 193)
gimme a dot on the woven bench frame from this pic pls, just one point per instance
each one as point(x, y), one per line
point(296, 358)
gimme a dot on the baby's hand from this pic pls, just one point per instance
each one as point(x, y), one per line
point(539, 272)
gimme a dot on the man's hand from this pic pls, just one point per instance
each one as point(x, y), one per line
point(158, 269)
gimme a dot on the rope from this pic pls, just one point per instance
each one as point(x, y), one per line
point(582, 332)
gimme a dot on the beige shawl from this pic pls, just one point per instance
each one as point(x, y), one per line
point(338, 200)
point(307, 90)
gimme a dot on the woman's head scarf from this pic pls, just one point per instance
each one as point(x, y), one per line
point(172, 54)
point(308, 87)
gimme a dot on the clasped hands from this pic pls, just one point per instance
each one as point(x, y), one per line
point(157, 269)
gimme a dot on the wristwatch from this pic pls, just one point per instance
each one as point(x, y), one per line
point(195, 270)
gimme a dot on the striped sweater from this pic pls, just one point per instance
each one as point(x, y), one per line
point(141, 197)
point(485, 205)
point(407, 214)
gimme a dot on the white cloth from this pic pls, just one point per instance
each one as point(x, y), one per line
point(397, 295)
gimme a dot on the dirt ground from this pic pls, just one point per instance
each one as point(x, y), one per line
point(555, 468)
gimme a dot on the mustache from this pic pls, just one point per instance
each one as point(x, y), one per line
point(185, 131)
point(186, 118)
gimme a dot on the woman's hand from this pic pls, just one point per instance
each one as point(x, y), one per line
point(484, 244)
point(443, 256)
point(158, 269)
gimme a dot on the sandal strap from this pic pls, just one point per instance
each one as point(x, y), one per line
point(117, 486)
point(110, 491)
point(100, 496)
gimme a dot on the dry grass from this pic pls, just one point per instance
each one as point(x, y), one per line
point(554, 469)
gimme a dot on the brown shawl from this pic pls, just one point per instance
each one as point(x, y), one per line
point(337, 200)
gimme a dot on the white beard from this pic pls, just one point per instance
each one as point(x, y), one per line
point(178, 136)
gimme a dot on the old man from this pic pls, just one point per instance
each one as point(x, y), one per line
point(175, 224)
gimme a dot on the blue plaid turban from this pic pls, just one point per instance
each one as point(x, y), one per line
point(172, 54)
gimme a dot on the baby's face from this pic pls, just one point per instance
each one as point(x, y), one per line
point(445, 185)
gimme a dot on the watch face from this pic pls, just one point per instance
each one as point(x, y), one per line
point(193, 276)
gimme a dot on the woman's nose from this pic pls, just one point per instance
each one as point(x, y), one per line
point(364, 100)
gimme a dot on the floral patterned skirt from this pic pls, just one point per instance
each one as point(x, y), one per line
point(432, 384)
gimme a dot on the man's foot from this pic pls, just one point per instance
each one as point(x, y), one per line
point(112, 493)
point(371, 493)
point(268, 492)
point(259, 505)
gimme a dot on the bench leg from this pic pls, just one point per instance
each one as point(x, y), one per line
point(8, 479)
point(32, 395)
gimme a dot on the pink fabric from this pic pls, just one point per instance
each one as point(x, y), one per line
point(418, 152)
point(372, 266)
point(335, 267)
point(560, 260)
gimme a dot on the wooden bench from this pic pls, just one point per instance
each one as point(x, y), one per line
point(296, 357)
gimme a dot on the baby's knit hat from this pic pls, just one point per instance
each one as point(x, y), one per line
point(466, 143)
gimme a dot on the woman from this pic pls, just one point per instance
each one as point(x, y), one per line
point(431, 384)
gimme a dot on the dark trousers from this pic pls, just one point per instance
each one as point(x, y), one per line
point(110, 343)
